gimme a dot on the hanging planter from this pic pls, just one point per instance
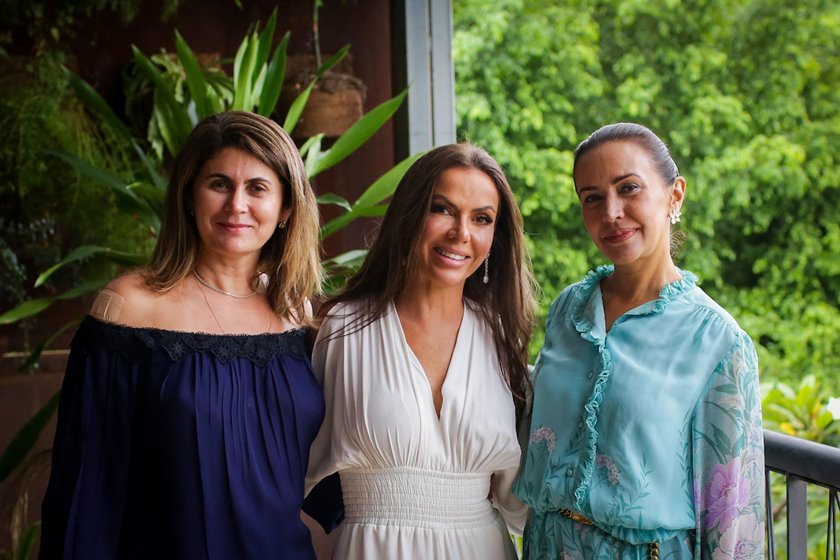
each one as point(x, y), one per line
point(336, 102)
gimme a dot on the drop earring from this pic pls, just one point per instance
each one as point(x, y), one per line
point(486, 278)
point(674, 214)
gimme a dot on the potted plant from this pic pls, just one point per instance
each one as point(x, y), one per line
point(338, 98)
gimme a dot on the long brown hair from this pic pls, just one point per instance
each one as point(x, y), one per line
point(506, 302)
point(289, 258)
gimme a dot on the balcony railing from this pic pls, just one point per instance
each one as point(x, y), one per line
point(802, 463)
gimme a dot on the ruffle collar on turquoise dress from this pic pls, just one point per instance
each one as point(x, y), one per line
point(583, 318)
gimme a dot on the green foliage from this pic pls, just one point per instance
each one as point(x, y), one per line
point(46, 205)
point(16, 460)
point(800, 411)
point(744, 92)
point(26, 437)
point(26, 544)
point(49, 22)
point(27, 240)
point(184, 92)
point(139, 195)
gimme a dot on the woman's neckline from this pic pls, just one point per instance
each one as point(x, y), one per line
point(123, 326)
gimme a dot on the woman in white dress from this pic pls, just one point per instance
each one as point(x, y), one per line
point(423, 360)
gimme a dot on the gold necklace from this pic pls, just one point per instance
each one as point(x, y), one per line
point(213, 313)
point(215, 289)
point(216, 317)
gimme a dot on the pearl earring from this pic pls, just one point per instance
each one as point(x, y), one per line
point(674, 214)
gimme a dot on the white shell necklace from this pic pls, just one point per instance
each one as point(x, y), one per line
point(203, 282)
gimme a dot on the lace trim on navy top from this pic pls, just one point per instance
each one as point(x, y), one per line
point(585, 327)
point(134, 342)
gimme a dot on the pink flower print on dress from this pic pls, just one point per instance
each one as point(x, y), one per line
point(743, 540)
point(727, 492)
point(545, 434)
point(608, 468)
point(583, 531)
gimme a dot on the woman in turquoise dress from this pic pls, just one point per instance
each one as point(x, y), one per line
point(645, 438)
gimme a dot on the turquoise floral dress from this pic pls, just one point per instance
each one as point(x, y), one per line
point(652, 431)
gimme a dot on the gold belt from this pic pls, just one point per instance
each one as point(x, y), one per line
point(653, 548)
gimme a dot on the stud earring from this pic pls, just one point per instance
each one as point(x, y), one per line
point(281, 225)
point(486, 278)
point(674, 214)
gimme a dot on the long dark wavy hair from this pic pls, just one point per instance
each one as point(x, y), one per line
point(506, 302)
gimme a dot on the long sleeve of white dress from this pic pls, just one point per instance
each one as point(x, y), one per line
point(416, 485)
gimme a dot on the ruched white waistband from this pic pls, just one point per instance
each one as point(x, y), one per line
point(413, 497)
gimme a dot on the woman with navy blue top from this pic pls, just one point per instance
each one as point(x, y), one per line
point(645, 438)
point(189, 404)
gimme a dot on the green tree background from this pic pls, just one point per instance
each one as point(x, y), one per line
point(746, 94)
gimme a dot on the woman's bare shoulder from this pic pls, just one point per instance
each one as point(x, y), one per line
point(126, 300)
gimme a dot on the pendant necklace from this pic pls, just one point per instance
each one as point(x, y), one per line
point(203, 282)
point(213, 313)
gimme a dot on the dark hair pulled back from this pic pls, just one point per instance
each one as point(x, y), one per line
point(638, 134)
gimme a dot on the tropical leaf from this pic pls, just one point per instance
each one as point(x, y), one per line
point(359, 133)
point(368, 203)
point(127, 199)
point(34, 306)
point(151, 168)
point(312, 143)
point(25, 309)
point(33, 356)
point(85, 251)
point(332, 198)
point(239, 57)
point(296, 109)
point(265, 40)
point(23, 442)
point(346, 258)
point(172, 118)
point(336, 224)
point(163, 113)
point(311, 152)
point(333, 60)
point(243, 71)
point(375, 211)
point(95, 173)
point(273, 83)
point(26, 545)
point(385, 186)
point(194, 74)
point(152, 195)
point(92, 99)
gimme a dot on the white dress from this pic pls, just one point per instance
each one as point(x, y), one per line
point(415, 485)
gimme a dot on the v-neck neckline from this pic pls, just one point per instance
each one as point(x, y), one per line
point(421, 370)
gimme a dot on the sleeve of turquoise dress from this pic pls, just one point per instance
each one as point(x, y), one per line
point(728, 460)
